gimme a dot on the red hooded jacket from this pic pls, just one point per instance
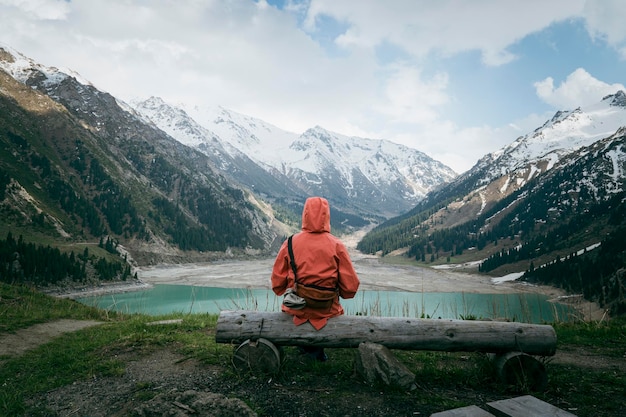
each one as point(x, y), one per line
point(321, 260)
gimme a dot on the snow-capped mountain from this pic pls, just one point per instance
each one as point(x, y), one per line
point(22, 69)
point(363, 176)
point(571, 166)
point(559, 142)
point(542, 149)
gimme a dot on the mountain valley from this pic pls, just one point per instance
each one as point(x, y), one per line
point(173, 183)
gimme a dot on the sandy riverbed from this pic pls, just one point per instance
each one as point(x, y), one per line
point(374, 275)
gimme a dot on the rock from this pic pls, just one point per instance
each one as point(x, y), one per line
point(377, 364)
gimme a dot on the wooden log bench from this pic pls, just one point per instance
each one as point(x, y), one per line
point(257, 335)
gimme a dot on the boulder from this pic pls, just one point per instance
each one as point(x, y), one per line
point(377, 364)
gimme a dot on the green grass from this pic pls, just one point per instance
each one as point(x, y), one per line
point(21, 307)
point(591, 387)
point(89, 352)
point(444, 380)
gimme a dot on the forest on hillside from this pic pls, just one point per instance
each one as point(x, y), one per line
point(539, 232)
point(34, 264)
point(599, 275)
point(94, 203)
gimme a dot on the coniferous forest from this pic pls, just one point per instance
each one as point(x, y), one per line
point(598, 275)
point(39, 265)
point(96, 204)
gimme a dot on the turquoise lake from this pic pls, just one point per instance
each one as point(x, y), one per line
point(163, 299)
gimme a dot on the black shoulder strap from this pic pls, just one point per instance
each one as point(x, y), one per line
point(292, 259)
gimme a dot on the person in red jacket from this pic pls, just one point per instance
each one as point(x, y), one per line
point(322, 270)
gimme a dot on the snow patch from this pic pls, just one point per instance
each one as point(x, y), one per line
point(507, 278)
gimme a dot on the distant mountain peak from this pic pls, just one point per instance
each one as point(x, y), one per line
point(566, 132)
point(372, 177)
point(23, 68)
point(618, 99)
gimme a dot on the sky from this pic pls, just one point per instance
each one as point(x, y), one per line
point(455, 79)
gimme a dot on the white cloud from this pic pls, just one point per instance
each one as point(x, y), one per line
point(255, 59)
point(578, 89)
point(410, 99)
point(40, 9)
point(443, 27)
point(497, 58)
point(605, 19)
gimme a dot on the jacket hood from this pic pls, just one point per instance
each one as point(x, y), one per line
point(316, 215)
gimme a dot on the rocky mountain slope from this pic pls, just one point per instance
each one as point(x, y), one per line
point(77, 164)
point(576, 159)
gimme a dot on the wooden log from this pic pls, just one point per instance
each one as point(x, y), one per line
point(392, 332)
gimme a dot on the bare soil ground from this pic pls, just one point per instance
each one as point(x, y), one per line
point(163, 382)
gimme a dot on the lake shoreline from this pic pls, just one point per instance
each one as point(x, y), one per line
point(374, 276)
point(103, 288)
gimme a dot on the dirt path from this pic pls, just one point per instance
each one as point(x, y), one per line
point(25, 339)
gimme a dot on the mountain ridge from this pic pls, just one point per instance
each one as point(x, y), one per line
point(508, 169)
point(564, 133)
point(354, 173)
point(129, 150)
point(554, 192)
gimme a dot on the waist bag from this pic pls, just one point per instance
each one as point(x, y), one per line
point(317, 297)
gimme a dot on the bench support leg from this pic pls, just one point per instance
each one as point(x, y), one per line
point(520, 370)
point(257, 356)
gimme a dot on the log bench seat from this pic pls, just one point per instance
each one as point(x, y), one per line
point(257, 334)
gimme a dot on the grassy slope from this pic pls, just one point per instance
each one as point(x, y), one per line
point(445, 380)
